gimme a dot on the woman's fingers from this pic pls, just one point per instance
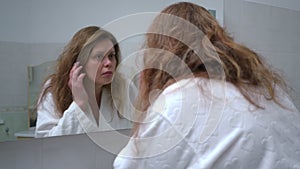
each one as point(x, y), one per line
point(76, 70)
point(76, 85)
point(80, 77)
point(74, 74)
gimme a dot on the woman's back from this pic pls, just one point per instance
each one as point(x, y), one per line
point(199, 123)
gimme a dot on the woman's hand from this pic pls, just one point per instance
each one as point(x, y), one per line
point(76, 85)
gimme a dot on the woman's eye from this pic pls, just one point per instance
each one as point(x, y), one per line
point(98, 57)
point(112, 55)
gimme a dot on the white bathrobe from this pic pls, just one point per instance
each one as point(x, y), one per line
point(75, 121)
point(202, 124)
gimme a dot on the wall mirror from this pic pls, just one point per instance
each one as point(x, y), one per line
point(32, 37)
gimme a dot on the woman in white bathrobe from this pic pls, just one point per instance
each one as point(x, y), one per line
point(78, 97)
point(207, 102)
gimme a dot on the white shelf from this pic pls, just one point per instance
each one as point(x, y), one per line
point(2, 121)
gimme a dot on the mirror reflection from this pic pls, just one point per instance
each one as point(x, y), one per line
point(31, 38)
point(95, 51)
point(56, 90)
point(85, 93)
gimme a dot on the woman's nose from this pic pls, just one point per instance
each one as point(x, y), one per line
point(106, 62)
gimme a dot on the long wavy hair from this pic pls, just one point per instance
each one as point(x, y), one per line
point(242, 67)
point(57, 83)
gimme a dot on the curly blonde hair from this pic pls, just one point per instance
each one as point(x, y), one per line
point(241, 66)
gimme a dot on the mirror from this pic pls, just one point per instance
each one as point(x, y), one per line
point(32, 37)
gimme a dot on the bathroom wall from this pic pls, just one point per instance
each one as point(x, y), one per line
point(69, 152)
point(272, 30)
point(13, 120)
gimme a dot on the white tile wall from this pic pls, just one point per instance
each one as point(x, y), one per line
point(28, 154)
point(21, 154)
point(15, 57)
point(232, 17)
point(288, 4)
point(273, 32)
point(68, 152)
point(13, 74)
point(72, 151)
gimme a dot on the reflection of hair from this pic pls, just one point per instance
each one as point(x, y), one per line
point(57, 83)
point(242, 66)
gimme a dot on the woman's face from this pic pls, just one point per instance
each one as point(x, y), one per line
point(102, 62)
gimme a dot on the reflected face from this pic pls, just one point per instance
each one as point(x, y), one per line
point(102, 62)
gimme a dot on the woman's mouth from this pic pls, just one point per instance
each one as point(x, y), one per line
point(107, 74)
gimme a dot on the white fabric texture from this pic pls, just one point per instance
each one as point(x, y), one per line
point(75, 121)
point(202, 124)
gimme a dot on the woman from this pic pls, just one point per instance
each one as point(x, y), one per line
point(77, 97)
point(206, 101)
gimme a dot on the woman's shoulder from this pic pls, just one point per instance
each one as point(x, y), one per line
point(45, 94)
point(201, 86)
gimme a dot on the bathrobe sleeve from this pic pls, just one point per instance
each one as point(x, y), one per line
point(160, 142)
point(50, 124)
